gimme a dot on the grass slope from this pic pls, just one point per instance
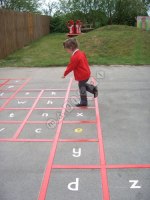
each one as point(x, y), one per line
point(107, 45)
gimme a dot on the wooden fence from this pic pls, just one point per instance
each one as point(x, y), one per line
point(19, 29)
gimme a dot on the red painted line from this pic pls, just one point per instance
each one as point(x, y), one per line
point(76, 167)
point(77, 97)
point(40, 122)
point(15, 84)
point(10, 122)
point(48, 108)
point(30, 90)
point(79, 108)
point(4, 83)
point(76, 140)
point(40, 97)
point(52, 97)
point(64, 122)
point(80, 122)
point(140, 166)
point(24, 140)
point(105, 188)
point(7, 90)
point(13, 95)
point(37, 90)
point(34, 108)
point(60, 108)
point(144, 166)
point(13, 79)
point(17, 108)
point(46, 178)
point(27, 117)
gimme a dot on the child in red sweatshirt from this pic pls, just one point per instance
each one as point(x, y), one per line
point(79, 65)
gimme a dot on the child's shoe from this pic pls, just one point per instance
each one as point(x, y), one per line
point(81, 104)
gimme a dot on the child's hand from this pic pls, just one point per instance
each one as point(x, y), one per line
point(63, 76)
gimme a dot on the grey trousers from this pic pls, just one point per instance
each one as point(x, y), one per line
point(83, 88)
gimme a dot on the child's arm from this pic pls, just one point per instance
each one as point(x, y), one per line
point(73, 63)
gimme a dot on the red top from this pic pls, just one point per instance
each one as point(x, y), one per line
point(79, 65)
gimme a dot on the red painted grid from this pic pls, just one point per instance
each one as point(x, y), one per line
point(46, 178)
point(4, 83)
point(14, 94)
point(102, 167)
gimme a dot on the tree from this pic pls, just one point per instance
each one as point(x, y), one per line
point(126, 11)
point(21, 5)
point(50, 9)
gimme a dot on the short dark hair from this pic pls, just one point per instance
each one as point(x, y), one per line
point(71, 44)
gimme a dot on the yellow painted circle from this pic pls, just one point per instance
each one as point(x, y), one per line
point(78, 130)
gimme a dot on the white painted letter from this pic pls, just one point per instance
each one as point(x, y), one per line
point(1, 94)
point(76, 153)
point(21, 102)
point(45, 115)
point(2, 129)
point(80, 114)
point(53, 93)
point(49, 102)
point(27, 93)
point(11, 86)
point(134, 185)
point(74, 186)
point(11, 115)
point(38, 130)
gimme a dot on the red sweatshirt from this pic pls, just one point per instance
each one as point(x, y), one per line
point(79, 65)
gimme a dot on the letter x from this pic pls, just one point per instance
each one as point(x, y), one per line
point(80, 114)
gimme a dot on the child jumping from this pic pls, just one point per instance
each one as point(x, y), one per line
point(79, 65)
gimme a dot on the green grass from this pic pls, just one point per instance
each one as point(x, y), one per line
point(106, 45)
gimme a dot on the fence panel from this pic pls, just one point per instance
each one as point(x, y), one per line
point(18, 29)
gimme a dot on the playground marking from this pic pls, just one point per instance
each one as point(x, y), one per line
point(76, 151)
point(53, 93)
point(11, 86)
point(2, 129)
point(2, 94)
point(79, 114)
point(27, 93)
point(45, 115)
point(38, 130)
point(12, 115)
point(74, 186)
point(21, 102)
point(134, 184)
point(49, 102)
point(78, 130)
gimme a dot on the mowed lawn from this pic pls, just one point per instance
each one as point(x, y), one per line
point(107, 45)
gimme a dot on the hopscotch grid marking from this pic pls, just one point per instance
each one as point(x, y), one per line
point(10, 122)
point(27, 116)
point(46, 178)
point(144, 166)
point(104, 166)
point(24, 140)
point(103, 170)
point(44, 108)
point(13, 108)
point(44, 122)
point(15, 93)
point(45, 140)
point(13, 79)
point(4, 83)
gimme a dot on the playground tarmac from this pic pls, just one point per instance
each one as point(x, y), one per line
point(51, 150)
